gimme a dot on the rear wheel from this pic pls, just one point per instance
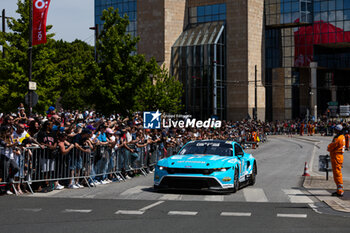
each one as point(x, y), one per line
point(235, 181)
point(253, 176)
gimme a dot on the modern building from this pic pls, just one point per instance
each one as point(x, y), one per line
point(273, 59)
point(307, 56)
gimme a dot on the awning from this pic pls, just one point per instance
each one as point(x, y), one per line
point(200, 34)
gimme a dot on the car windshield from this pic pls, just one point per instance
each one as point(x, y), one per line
point(208, 148)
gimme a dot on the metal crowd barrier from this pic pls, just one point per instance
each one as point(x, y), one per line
point(45, 165)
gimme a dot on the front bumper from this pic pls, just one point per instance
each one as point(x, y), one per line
point(204, 183)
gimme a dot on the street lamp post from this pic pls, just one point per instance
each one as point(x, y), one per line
point(3, 16)
point(313, 66)
point(3, 30)
point(30, 54)
point(96, 38)
point(256, 94)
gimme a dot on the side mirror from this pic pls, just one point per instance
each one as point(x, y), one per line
point(239, 154)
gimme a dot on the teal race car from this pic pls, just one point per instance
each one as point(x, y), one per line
point(208, 165)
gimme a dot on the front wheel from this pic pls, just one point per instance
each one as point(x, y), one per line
point(253, 176)
point(235, 181)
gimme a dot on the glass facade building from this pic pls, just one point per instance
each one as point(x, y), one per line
point(199, 61)
point(128, 7)
point(298, 32)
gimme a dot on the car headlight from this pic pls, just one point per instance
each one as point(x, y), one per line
point(162, 168)
point(221, 169)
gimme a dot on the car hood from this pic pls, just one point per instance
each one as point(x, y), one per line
point(198, 161)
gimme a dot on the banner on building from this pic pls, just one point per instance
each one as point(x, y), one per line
point(40, 10)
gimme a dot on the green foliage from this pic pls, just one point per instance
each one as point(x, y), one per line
point(75, 63)
point(162, 92)
point(67, 74)
point(125, 75)
point(59, 67)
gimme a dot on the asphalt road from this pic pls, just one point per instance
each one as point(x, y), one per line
point(276, 203)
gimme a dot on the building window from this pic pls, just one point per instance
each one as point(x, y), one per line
point(198, 61)
point(208, 13)
point(128, 7)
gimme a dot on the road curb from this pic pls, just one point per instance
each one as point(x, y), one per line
point(318, 187)
point(307, 139)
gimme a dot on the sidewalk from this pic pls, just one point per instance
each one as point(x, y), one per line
point(321, 188)
point(318, 186)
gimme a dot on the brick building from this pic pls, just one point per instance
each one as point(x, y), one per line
point(238, 56)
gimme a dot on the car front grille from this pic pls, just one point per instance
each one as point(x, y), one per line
point(189, 183)
point(189, 171)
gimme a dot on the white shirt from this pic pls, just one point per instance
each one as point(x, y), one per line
point(20, 137)
point(128, 137)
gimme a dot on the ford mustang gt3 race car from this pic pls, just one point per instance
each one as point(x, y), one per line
point(211, 165)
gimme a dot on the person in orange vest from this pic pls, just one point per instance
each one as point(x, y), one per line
point(254, 138)
point(302, 126)
point(308, 129)
point(336, 150)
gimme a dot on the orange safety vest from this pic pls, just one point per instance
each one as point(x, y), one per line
point(337, 146)
point(254, 136)
point(336, 149)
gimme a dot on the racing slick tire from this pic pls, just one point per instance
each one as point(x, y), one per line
point(253, 176)
point(235, 181)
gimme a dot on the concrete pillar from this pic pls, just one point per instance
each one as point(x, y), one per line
point(313, 105)
point(334, 93)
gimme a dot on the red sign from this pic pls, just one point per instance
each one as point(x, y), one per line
point(40, 10)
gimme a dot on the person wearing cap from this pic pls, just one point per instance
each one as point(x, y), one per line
point(336, 150)
point(50, 111)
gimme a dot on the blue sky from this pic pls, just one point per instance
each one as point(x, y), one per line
point(71, 19)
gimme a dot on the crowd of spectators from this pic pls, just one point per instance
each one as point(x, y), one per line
point(68, 139)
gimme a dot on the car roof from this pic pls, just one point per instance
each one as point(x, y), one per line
point(216, 140)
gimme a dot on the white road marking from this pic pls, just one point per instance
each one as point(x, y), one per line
point(130, 212)
point(254, 195)
point(236, 214)
point(320, 192)
point(213, 198)
point(292, 215)
point(190, 213)
point(134, 190)
point(151, 206)
point(140, 211)
point(322, 195)
point(76, 211)
point(297, 196)
point(314, 207)
point(31, 209)
point(171, 197)
point(90, 196)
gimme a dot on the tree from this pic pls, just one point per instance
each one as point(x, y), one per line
point(59, 68)
point(14, 68)
point(75, 62)
point(125, 74)
point(162, 92)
